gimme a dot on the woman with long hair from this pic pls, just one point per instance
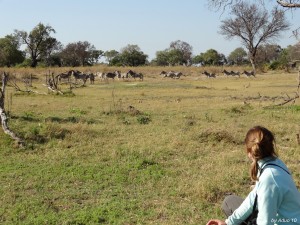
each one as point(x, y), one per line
point(275, 198)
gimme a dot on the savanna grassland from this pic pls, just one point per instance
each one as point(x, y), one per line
point(158, 151)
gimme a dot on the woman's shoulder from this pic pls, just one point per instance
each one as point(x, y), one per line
point(279, 165)
point(272, 162)
point(275, 173)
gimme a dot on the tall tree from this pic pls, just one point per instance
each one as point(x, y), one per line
point(80, 54)
point(185, 49)
point(161, 58)
point(131, 55)
point(267, 53)
point(287, 4)
point(50, 56)
point(237, 57)
point(95, 55)
point(178, 53)
point(9, 51)
point(253, 26)
point(210, 57)
point(110, 55)
point(169, 57)
point(175, 57)
point(38, 42)
point(198, 59)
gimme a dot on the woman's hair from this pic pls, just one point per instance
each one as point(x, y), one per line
point(260, 143)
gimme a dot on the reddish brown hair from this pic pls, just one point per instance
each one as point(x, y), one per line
point(260, 143)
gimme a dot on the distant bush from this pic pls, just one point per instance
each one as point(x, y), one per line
point(25, 63)
point(274, 65)
point(144, 119)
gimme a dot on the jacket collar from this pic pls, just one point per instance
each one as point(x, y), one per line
point(265, 160)
point(262, 162)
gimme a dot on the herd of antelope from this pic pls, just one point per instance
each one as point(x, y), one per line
point(78, 75)
point(230, 73)
point(233, 73)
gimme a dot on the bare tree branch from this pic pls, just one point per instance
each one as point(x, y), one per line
point(223, 4)
point(253, 26)
point(291, 4)
point(52, 83)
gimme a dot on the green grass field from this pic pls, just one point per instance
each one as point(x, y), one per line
point(158, 151)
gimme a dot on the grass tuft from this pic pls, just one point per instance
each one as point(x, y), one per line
point(216, 137)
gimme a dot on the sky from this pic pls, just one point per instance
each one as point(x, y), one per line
point(113, 24)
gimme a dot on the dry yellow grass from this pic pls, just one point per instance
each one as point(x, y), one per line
point(90, 159)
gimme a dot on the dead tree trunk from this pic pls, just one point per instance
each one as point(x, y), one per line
point(52, 83)
point(3, 116)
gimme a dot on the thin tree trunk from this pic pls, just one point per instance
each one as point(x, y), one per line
point(3, 116)
point(253, 64)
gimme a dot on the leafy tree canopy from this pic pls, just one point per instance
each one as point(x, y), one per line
point(131, 55)
point(210, 57)
point(38, 41)
point(10, 54)
point(238, 56)
point(81, 53)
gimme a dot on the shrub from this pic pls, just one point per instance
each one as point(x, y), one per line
point(144, 119)
point(274, 65)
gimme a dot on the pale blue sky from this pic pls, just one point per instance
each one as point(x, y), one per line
point(113, 24)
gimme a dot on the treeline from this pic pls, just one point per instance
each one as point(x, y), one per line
point(42, 49)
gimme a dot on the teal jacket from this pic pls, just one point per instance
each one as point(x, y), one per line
point(278, 199)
